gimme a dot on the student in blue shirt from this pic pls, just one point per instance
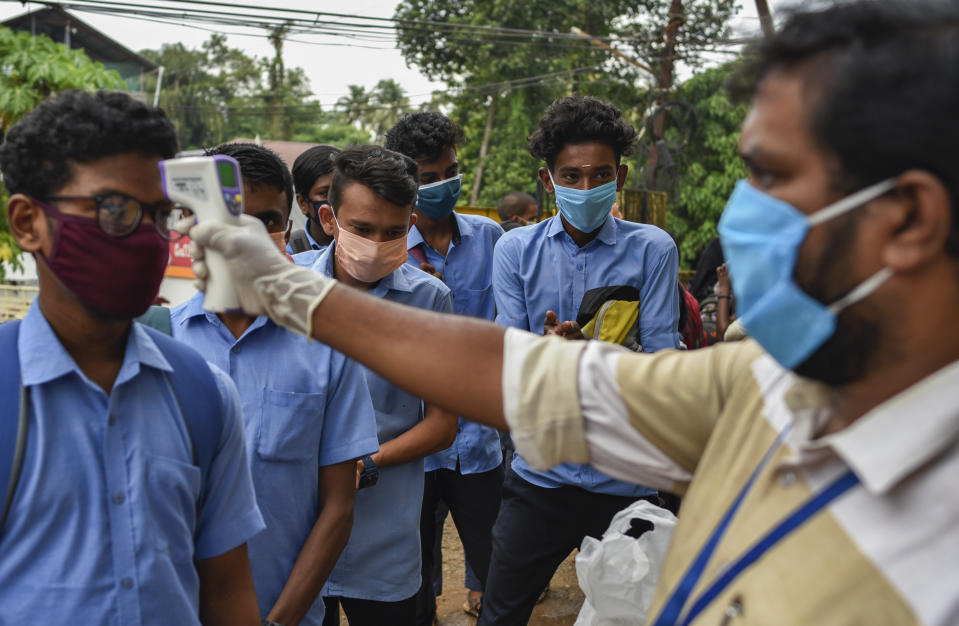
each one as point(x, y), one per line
point(312, 174)
point(369, 216)
point(540, 274)
point(458, 249)
point(308, 417)
point(114, 519)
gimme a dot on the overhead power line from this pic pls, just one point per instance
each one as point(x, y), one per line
point(351, 26)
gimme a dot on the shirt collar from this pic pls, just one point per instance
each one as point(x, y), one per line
point(397, 280)
point(607, 234)
point(900, 435)
point(462, 228)
point(194, 308)
point(892, 440)
point(43, 358)
point(306, 231)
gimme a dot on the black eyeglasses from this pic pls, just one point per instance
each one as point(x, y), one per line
point(118, 214)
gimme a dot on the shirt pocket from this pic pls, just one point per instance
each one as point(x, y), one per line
point(172, 495)
point(289, 425)
point(470, 301)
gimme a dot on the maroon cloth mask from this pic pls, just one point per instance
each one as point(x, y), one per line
point(117, 276)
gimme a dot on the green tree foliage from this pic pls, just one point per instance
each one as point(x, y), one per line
point(217, 92)
point(516, 75)
point(31, 69)
point(710, 166)
point(389, 104)
point(355, 106)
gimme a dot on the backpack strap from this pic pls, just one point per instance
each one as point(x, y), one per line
point(14, 414)
point(197, 395)
point(299, 242)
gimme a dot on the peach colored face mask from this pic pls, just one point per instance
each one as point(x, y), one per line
point(365, 260)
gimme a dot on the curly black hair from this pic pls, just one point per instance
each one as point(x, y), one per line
point(579, 119)
point(391, 175)
point(259, 166)
point(38, 154)
point(423, 136)
point(315, 162)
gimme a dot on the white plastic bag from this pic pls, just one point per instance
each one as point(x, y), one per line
point(619, 573)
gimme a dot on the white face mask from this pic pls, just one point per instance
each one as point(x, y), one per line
point(368, 261)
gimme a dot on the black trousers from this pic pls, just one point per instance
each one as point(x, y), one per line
point(370, 612)
point(536, 529)
point(473, 501)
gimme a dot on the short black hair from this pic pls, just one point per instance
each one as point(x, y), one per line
point(882, 96)
point(38, 154)
point(315, 162)
point(391, 175)
point(259, 166)
point(580, 119)
point(514, 203)
point(424, 135)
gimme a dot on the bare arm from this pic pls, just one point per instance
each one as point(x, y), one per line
point(227, 597)
point(723, 292)
point(436, 432)
point(452, 361)
point(322, 547)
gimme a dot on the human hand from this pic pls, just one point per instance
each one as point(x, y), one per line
point(429, 269)
point(723, 284)
point(264, 279)
point(566, 330)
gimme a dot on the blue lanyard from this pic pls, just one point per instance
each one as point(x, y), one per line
point(672, 610)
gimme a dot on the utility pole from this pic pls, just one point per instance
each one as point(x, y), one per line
point(602, 44)
point(484, 147)
point(765, 19)
point(664, 80)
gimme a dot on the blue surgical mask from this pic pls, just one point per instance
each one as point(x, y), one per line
point(585, 210)
point(436, 200)
point(761, 236)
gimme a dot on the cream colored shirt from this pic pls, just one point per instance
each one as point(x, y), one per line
point(887, 552)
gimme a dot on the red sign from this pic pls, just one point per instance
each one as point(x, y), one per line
point(180, 261)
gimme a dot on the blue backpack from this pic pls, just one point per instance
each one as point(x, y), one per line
point(192, 381)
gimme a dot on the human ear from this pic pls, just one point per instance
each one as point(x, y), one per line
point(621, 172)
point(545, 179)
point(303, 204)
point(327, 219)
point(412, 221)
point(917, 221)
point(28, 223)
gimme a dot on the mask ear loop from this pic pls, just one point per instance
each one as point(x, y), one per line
point(864, 290)
point(851, 202)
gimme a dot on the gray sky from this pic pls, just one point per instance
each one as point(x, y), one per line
point(330, 62)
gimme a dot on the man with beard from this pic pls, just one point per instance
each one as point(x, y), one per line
point(818, 457)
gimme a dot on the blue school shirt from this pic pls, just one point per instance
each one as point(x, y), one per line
point(308, 257)
point(467, 270)
point(382, 559)
point(305, 406)
point(105, 524)
point(540, 268)
point(313, 243)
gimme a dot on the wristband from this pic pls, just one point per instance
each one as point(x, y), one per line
point(370, 473)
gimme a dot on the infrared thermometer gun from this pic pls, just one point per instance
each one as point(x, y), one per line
point(213, 189)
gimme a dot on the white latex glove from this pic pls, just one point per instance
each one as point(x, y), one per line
point(265, 281)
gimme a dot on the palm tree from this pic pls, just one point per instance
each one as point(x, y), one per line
point(355, 107)
point(391, 104)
